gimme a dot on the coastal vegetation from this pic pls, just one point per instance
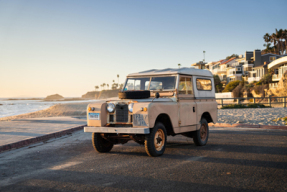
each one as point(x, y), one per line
point(231, 86)
point(276, 43)
point(236, 106)
point(281, 119)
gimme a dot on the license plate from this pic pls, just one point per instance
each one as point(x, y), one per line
point(94, 116)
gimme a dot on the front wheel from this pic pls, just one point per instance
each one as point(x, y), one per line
point(100, 144)
point(200, 137)
point(155, 142)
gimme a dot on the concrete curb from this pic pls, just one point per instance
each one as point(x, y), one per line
point(238, 125)
point(27, 142)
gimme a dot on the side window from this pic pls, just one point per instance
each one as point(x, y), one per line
point(185, 85)
point(203, 84)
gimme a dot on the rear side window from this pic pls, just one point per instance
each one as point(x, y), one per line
point(203, 84)
point(185, 86)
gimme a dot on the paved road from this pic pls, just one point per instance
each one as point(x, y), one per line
point(233, 160)
point(23, 129)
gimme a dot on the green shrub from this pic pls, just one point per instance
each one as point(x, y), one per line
point(231, 85)
point(217, 83)
point(235, 106)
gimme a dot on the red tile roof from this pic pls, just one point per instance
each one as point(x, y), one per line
point(226, 61)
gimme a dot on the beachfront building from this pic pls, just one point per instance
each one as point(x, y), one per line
point(234, 69)
point(218, 68)
point(256, 64)
point(251, 67)
point(199, 65)
point(280, 67)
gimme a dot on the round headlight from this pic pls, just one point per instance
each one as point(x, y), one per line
point(131, 106)
point(110, 107)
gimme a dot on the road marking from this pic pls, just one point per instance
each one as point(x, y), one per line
point(65, 165)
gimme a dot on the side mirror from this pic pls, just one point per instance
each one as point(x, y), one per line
point(156, 95)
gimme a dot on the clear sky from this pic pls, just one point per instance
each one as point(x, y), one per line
point(69, 47)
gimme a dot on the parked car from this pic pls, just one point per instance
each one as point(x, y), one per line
point(152, 105)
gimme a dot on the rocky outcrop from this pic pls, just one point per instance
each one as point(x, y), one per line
point(108, 93)
point(54, 97)
point(91, 95)
point(101, 94)
point(281, 90)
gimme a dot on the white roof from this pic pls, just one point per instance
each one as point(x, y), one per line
point(169, 71)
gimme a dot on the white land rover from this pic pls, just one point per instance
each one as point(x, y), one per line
point(152, 105)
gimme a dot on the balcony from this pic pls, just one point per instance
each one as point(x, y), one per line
point(251, 79)
point(276, 77)
point(273, 85)
point(218, 70)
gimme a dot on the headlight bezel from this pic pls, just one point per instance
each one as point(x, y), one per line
point(110, 107)
point(131, 107)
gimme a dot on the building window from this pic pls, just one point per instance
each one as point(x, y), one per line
point(275, 71)
point(272, 58)
point(238, 68)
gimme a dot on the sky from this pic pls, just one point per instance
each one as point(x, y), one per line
point(68, 47)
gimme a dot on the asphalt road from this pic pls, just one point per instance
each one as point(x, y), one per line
point(233, 160)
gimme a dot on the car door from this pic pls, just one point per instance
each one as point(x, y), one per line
point(186, 101)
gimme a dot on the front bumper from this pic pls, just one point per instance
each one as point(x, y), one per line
point(126, 130)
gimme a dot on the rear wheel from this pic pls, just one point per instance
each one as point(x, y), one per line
point(155, 142)
point(100, 144)
point(200, 137)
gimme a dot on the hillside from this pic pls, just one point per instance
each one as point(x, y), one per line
point(101, 94)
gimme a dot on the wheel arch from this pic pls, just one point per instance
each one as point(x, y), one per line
point(207, 116)
point(165, 120)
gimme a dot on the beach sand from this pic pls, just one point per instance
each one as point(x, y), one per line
point(261, 116)
point(69, 109)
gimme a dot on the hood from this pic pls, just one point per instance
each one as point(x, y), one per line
point(151, 99)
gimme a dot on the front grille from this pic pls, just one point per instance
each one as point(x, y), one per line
point(111, 118)
point(122, 113)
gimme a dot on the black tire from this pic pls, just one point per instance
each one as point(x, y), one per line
point(200, 136)
point(157, 135)
point(134, 94)
point(100, 144)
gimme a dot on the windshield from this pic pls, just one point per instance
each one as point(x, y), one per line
point(151, 83)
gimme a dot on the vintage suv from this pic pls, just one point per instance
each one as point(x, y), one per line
point(152, 105)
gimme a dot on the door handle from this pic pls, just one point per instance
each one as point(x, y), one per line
point(193, 109)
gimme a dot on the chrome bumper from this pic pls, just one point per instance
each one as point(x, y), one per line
point(129, 130)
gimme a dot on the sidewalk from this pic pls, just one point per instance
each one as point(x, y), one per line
point(22, 132)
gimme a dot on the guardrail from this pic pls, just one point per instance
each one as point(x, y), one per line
point(268, 101)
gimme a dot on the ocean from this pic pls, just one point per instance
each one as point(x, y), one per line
point(17, 107)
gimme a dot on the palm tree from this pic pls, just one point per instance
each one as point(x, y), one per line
point(274, 41)
point(266, 37)
point(104, 85)
point(278, 40)
point(269, 48)
point(284, 35)
point(118, 76)
point(179, 65)
point(108, 86)
point(96, 87)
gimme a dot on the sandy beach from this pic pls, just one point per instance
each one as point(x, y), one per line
point(262, 116)
point(69, 109)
